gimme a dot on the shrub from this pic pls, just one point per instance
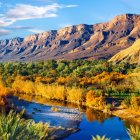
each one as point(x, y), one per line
point(100, 138)
point(74, 95)
point(108, 108)
point(126, 102)
point(14, 127)
point(135, 103)
point(134, 132)
point(23, 86)
point(3, 93)
point(50, 91)
point(92, 100)
point(132, 103)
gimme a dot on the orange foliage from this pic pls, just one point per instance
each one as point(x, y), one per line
point(44, 80)
point(135, 103)
point(3, 93)
point(74, 95)
point(56, 92)
point(107, 77)
point(92, 100)
point(62, 80)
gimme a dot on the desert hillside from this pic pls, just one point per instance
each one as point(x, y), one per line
point(130, 55)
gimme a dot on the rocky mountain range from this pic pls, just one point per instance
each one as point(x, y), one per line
point(98, 41)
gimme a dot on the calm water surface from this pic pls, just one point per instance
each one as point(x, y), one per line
point(89, 122)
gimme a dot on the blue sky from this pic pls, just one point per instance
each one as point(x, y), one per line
point(19, 18)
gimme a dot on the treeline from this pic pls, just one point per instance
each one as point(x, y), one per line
point(72, 81)
point(80, 73)
point(52, 91)
point(82, 96)
point(55, 69)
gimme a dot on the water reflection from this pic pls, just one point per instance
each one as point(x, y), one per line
point(92, 115)
point(43, 100)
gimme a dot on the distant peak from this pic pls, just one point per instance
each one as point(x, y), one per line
point(127, 16)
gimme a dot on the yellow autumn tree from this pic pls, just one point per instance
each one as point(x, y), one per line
point(3, 93)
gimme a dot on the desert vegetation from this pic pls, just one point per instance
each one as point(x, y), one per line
point(80, 81)
point(3, 93)
point(134, 132)
point(100, 138)
point(132, 103)
point(14, 127)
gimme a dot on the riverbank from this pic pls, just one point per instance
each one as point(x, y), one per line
point(125, 114)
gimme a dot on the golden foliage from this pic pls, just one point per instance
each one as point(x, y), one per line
point(57, 92)
point(3, 93)
point(107, 78)
point(92, 100)
point(22, 86)
point(50, 91)
point(135, 103)
point(61, 80)
point(74, 95)
point(134, 132)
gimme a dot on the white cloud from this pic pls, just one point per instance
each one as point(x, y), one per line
point(4, 23)
point(4, 32)
point(23, 11)
point(20, 27)
point(36, 30)
point(71, 6)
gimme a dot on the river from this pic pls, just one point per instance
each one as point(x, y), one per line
point(87, 121)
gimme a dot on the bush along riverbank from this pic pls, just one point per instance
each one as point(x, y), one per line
point(126, 108)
